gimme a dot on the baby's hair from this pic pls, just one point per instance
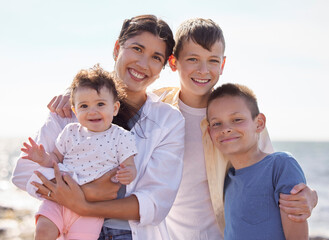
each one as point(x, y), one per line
point(96, 78)
point(236, 90)
point(204, 32)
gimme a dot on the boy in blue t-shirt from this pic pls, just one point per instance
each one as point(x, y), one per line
point(253, 184)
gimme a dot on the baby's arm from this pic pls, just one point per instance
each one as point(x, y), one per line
point(38, 154)
point(127, 172)
point(294, 230)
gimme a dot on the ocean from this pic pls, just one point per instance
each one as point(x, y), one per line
point(312, 156)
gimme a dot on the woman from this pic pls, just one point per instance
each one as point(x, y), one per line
point(141, 51)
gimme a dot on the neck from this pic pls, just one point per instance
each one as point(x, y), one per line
point(246, 159)
point(194, 101)
point(136, 99)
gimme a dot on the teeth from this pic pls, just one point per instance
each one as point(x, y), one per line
point(200, 80)
point(136, 74)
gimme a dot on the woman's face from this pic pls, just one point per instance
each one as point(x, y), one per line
point(139, 61)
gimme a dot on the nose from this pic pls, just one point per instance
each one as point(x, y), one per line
point(226, 130)
point(203, 68)
point(143, 62)
point(92, 110)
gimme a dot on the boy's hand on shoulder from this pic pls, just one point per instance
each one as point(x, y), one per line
point(300, 203)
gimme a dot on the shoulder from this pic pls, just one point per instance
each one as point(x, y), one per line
point(118, 129)
point(157, 107)
point(168, 95)
point(285, 164)
point(165, 91)
point(72, 127)
point(283, 158)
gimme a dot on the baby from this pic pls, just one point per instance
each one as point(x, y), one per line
point(87, 150)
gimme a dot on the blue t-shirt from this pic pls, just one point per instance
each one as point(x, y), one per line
point(252, 197)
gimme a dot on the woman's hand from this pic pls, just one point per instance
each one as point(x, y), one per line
point(299, 203)
point(102, 188)
point(65, 191)
point(61, 105)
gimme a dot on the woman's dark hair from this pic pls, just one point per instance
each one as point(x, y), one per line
point(148, 23)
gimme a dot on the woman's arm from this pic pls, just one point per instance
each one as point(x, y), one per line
point(69, 194)
point(300, 203)
point(154, 192)
point(102, 188)
point(294, 230)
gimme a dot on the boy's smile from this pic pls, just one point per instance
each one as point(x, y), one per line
point(199, 70)
point(231, 126)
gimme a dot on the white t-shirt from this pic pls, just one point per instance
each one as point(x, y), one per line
point(192, 216)
point(91, 154)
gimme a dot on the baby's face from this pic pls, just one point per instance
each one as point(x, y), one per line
point(94, 110)
point(231, 126)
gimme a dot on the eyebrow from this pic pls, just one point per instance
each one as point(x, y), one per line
point(194, 54)
point(142, 46)
point(231, 114)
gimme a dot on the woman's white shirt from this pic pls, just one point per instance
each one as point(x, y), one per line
point(159, 135)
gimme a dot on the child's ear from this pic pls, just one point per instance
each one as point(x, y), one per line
point(261, 122)
point(116, 50)
point(172, 63)
point(116, 108)
point(222, 65)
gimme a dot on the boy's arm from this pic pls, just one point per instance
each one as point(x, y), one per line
point(127, 171)
point(299, 203)
point(294, 230)
point(301, 200)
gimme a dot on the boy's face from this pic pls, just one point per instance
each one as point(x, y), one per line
point(199, 69)
point(231, 127)
point(95, 111)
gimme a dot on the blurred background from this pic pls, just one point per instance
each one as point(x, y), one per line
point(277, 48)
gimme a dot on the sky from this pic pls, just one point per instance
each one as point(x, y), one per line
point(277, 48)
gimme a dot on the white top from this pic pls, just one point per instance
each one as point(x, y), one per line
point(159, 136)
point(92, 154)
point(192, 215)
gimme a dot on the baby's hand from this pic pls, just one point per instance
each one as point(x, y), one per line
point(34, 152)
point(126, 174)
